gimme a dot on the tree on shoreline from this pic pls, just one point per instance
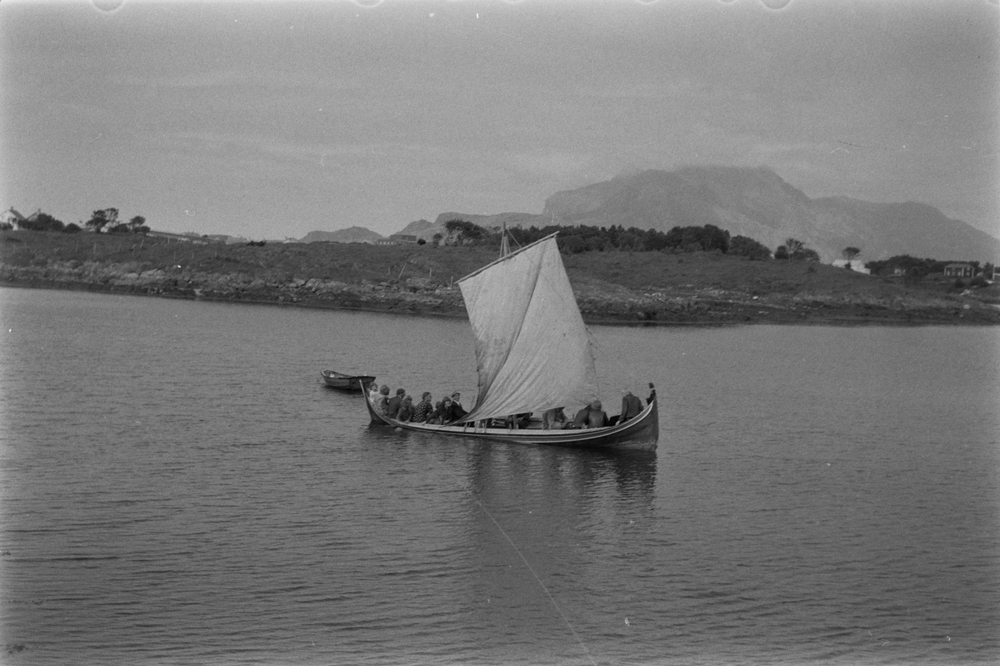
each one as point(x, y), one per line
point(103, 218)
point(795, 249)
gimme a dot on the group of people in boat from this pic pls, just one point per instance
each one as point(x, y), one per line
point(594, 416)
point(400, 407)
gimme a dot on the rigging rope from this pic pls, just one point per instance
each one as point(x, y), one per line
point(517, 550)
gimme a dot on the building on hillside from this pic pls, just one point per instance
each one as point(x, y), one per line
point(403, 238)
point(16, 220)
point(187, 237)
point(226, 239)
point(959, 270)
point(852, 265)
point(12, 217)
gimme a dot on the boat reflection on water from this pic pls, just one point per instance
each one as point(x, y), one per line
point(522, 540)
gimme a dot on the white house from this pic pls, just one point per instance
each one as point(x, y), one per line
point(12, 217)
point(852, 265)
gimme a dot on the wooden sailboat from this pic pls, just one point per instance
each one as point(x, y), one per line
point(533, 354)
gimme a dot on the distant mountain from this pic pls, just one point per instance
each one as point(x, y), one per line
point(349, 235)
point(498, 220)
point(756, 202)
point(423, 229)
point(918, 230)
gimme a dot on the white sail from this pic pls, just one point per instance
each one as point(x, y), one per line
point(532, 349)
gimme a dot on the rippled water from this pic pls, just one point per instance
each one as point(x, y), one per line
point(179, 488)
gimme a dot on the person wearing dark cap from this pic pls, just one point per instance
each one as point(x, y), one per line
point(392, 408)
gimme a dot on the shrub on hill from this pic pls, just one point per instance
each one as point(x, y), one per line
point(693, 239)
point(43, 222)
point(744, 246)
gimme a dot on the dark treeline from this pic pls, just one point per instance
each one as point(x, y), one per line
point(581, 238)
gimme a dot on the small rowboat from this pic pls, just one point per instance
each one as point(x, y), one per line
point(342, 382)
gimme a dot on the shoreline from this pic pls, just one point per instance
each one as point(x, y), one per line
point(853, 316)
point(681, 289)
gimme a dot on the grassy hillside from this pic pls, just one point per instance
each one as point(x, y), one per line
point(649, 287)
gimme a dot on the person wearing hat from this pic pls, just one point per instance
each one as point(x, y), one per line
point(392, 407)
point(455, 410)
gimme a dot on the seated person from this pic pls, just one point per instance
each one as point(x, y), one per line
point(392, 407)
point(596, 417)
point(382, 401)
point(579, 421)
point(631, 406)
point(553, 419)
point(518, 421)
point(405, 412)
point(423, 409)
point(440, 413)
point(455, 410)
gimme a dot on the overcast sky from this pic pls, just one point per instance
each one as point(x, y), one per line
point(274, 119)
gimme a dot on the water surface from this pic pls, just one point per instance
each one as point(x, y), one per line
point(179, 488)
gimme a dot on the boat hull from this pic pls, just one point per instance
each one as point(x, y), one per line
point(640, 433)
point(344, 382)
